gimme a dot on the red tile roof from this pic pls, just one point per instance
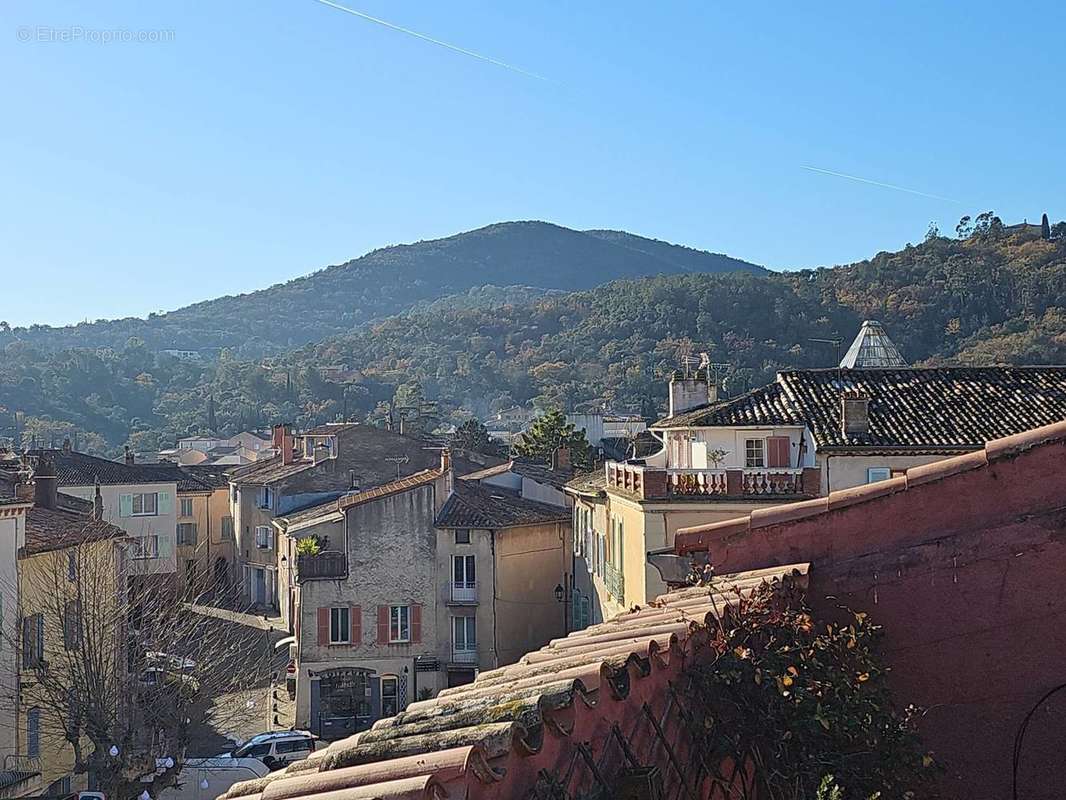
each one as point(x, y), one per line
point(498, 736)
point(358, 498)
point(698, 538)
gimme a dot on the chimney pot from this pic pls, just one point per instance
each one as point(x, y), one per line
point(689, 392)
point(128, 455)
point(445, 459)
point(45, 484)
point(560, 459)
point(66, 445)
point(98, 501)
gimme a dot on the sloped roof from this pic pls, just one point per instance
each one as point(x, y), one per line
point(80, 469)
point(872, 348)
point(494, 736)
point(475, 505)
point(351, 499)
point(936, 408)
point(541, 473)
point(268, 470)
point(68, 525)
point(594, 482)
point(204, 477)
point(697, 538)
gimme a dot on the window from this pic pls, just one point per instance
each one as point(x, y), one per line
point(399, 623)
point(266, 498)
point(754, 453)
point(185, 507)
point(146, 504)
point(72, 625)
point(227, 528)
point(463, 572)
point(340, 625)
point(144, 547)
point(33, 733)
point(187, 533)
point(264, 539)
point(875, 474)
point(390, 696)
point(293, 746)
point(72, 565)
point(254, 751)
point(464, 638)
point(32, 640)
point(462, 537)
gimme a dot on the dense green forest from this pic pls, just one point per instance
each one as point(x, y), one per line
point(389, 281)
point(991, 294)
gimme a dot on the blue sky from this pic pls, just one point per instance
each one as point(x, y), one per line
point(267, 139)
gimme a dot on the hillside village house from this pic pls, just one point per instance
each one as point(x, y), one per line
point(426, 581)
point(206, 550)
point(309, 469)
point(139, 498)
point(808, 433)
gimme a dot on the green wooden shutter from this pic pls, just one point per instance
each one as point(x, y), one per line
point(125, 505)
point(166, 503)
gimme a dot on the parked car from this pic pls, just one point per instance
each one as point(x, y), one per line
point(278, 748)
point(218, 773)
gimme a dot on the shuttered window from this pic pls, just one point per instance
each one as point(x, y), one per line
point(778, 452)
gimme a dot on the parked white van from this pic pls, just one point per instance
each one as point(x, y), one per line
point(207, 778)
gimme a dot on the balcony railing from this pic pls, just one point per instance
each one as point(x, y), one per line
point(655, 483)
point(464, 592)
point(321, 566)
point(465, 656)
point(615, 582)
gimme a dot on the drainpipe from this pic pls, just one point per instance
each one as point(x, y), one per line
point(495, 641)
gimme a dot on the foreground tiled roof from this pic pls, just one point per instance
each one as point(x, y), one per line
point(939, 408)
point(351, 499)
point(699, 537)
point(475, 505)
point(495, 737)
point(80, 469)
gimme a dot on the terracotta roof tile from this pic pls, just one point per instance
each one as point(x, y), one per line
point(475, 505)
point(357, 498)
point(80, 469)
point(939, 409)
point(491, 738)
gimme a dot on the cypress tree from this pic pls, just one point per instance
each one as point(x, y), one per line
point(1045, 228)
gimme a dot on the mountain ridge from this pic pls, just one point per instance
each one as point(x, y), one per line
point(390, 280)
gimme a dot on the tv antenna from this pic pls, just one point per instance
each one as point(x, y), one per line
point(398, 461)
point(834, 342)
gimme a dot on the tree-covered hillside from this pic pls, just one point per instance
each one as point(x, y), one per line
point(996, 295)
point(389, 281)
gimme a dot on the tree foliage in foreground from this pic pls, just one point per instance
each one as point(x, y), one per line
point(807, 705)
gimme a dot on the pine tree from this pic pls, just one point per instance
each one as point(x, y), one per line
point(550, 432)
point(1045, 228)
point(474, 436)
point(212, 424)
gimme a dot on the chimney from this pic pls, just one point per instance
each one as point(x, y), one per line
point(45, 484)
point(561, 459)
point(128, 456)
point(445, 459)
point(854, 413)
point(690, 391)
point(24, 490)
point(98, 501)
point(277, 435)
point(66, 445)
point(288, 445)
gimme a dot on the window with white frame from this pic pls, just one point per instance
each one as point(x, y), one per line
point(144, 547)
point(875, 474)
point(754, 453)
point(264, 538)
point(146, 504)
point(185, 506)
point(464, 634)
point(399, 623)
point(340, 625)
point(265, 499)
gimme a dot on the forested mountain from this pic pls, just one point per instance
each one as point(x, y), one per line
point(994, 295)
point(389, 281)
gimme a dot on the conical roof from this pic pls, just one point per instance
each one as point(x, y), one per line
point(872, 348)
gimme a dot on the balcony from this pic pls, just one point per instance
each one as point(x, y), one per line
point(464, 592)
point(615, 582)
point(465, 656)
point(656, 483)
point(327, 565)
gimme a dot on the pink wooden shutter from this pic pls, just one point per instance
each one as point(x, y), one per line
point(323, 626)
point(383, 624)
point(355, 614)
point(778, 452)
point(416, 623)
